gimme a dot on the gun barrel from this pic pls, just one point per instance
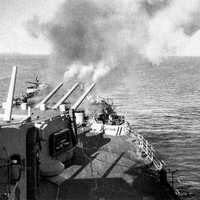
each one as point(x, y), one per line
point(65, 96)
point(80, 100)
point(50, 95)
point(11, 91)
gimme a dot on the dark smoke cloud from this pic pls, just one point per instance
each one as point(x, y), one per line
point(75, 35)
point(91, 38)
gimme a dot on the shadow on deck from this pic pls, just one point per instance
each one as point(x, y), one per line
point(101, 171)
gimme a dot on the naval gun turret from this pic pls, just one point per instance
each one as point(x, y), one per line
point(35, 142)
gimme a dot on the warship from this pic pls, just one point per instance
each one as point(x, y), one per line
point(59, 152)
point(33, 89)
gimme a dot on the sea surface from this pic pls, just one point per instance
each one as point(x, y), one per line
point(161, 102)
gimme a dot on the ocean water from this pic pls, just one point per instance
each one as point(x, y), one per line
point(161, 102)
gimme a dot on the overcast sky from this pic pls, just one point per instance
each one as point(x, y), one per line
point(13, 15)
point(15, 39)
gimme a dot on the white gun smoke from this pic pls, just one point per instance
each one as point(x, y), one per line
point(91, 38)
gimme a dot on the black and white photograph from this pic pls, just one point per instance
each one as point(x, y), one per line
point(99, 100)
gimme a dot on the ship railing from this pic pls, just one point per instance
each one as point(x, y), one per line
point(148, 150)
point(157, 163)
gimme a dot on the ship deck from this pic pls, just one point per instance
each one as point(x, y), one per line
point(105, 168)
